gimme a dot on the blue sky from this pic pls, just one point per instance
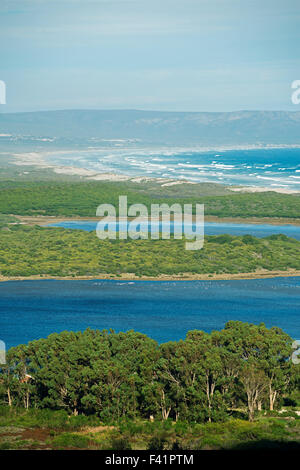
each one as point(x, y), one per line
point(177, 55)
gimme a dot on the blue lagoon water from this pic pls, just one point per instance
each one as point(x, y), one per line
point(210, 228)
point(164, 310)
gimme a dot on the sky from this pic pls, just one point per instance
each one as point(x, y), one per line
point(169, 55)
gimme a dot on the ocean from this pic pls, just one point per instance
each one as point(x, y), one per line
point(277, 168)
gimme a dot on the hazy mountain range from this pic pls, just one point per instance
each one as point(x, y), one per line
point(241, 127)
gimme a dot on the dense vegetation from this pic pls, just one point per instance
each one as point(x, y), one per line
point(7, 219)
point(241, 371)
point(118, 375)
point(48, 429)
point(26, 250)
point(83, 198)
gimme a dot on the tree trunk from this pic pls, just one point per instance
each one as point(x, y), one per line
point(210, 388)
point(26, 400)
point(252, 400)
point(272, 398)
point(164, 411)
point(9, 397)
point(251, 414)
point(259, 405)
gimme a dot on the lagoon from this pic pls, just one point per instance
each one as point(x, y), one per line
point(164, 310)
point(210, 228)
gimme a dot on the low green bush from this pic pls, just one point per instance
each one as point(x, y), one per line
point(67, 440)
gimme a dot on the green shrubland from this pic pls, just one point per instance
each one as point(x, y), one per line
point(27, 250)
point(73, 199)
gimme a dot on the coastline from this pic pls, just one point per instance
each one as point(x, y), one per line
point(39, 160)
point(43, 220)
point(261, 274)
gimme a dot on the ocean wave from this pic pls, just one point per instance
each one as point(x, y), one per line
point(241, 167)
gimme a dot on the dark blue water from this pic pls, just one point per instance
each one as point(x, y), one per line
point(210, 228)
point(163, 310)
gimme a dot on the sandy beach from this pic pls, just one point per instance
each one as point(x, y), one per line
point(45, 220)
point(39, 160)
point(260, 274)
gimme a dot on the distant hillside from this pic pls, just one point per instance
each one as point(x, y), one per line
point(241, 127)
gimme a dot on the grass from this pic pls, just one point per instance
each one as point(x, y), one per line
point(264, 432)
point(40, 418)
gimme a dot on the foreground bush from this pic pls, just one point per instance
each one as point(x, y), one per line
point(107, 376)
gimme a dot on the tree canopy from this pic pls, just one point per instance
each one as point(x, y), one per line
point(115, 375)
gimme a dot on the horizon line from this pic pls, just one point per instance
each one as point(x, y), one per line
point(150, 111)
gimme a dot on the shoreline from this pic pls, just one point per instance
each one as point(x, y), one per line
point(39, 160)
point(45, 220)
point(262, 274)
